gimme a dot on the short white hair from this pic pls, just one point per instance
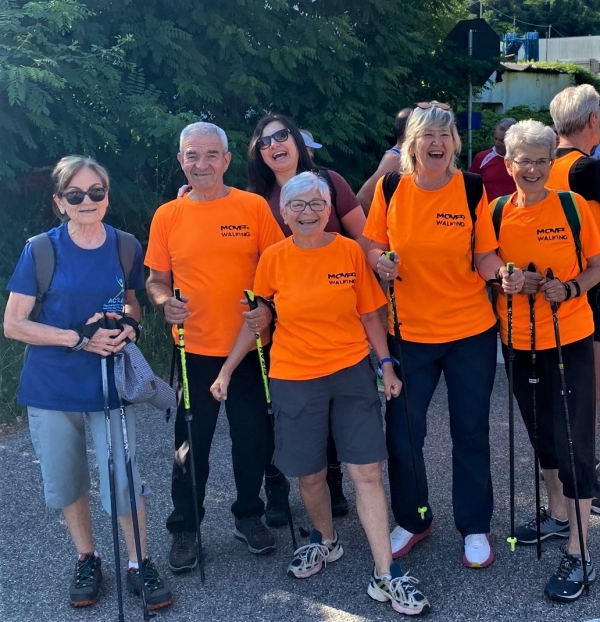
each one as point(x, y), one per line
point(304, 182)
point(529, 132)
point(204, 129)
point(572, 107)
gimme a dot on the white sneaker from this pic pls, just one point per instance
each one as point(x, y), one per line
point(402, 541)
point(478, 553)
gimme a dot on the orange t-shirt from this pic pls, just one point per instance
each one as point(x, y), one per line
point(440, 298)
point(559, 179)
point(540, 233)
point(212, 248)
point(319, 295)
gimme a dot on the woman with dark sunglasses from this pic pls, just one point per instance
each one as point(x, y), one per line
point(61, 381)
point(443, 255)
point(277, 152)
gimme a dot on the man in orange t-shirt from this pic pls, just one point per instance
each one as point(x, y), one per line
point(208, 243)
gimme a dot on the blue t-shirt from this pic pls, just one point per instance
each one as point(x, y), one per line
point(85, 281)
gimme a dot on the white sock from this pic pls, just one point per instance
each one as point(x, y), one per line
point(134, 565)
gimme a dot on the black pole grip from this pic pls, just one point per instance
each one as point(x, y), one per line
point(251, 298)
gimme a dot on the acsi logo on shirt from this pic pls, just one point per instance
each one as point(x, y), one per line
point(235, 231)
point(551, 233)
point(116, 303)
point(450, 220)
point(342, 278)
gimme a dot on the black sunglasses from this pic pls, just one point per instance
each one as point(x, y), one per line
point(75, 197)
point(279, 136)
point(433, 104)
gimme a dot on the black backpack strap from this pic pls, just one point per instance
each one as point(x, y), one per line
point(497, 209)
point(389, 185)
point(474, 189)
point(45, 262)
point(569, 205)
point(126, 247)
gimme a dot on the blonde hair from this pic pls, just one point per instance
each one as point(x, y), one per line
point(425, 119)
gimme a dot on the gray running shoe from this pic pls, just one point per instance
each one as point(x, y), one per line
point(566, 584)
point(549, 528)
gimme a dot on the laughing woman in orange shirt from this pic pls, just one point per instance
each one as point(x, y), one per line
point(534, 207)
point(445, 258)
point(327, 302)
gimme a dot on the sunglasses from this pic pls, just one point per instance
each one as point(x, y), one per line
point(279, 136)
point(433, 104)
point(75, 197)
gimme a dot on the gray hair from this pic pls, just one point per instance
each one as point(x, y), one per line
point(505, 123)
point(572, 107)
point(204, 129)
point(421, 120)
point(529, 132)
point(304, 182)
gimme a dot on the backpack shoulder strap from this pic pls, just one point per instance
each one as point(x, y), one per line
point(474, 189)
point(497, 209)
point(45, 262)
point(389, 185)
point(571, 210)
point(126, 248)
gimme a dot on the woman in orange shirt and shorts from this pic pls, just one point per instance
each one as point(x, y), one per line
point(327, 302)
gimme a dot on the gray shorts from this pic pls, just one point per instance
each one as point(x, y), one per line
point(304, 410)
point(59, 441)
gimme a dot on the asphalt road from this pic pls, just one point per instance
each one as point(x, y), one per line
point(37, 557)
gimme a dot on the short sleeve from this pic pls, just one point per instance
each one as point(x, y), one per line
point(485, 236)
point(23, 280)
point(157, 254)
point(369, 294)
point(346, 200)
point(376, 225)
point(589, 235)
point(263, 279)
point(584, 178)
point(269, 230)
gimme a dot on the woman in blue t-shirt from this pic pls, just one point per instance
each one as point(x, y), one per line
point(61, 380)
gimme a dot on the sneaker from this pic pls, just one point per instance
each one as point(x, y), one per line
point(183, 556)
point(400, 590)
point(339, 503)
point(566, 584)
point(252, 531)
point(85, 585)
point(309, 559)
point(549, 528)
point(596, 498)
point(402, 541)
point(277, 489)
point(478, 553)
point(157, 592)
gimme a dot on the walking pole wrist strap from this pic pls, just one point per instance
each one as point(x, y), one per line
point(270, 305)
point(85, 332)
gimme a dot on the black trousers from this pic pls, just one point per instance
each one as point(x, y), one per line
point(553, 449)
point(246, 413)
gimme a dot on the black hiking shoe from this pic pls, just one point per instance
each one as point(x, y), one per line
point(252, 531)
point(86, 581)
point(339, 503)
point(277, 489)
point(157, 592)
point(550, 527)
point(183, 556)
point(566, 584)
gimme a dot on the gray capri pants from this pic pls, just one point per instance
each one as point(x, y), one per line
point(59, 441)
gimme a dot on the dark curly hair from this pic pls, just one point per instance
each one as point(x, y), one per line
point(260, 177)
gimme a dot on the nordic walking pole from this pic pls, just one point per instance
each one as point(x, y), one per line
point(534, 380)
point(172, 377)
point(510, 267)
point(111, 484)
point(109, 323)
point(421, 509)
point(564, 392)
point(265, 378)
point(189, 418)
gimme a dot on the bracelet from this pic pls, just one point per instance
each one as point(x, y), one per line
point(386, 360)
point(577, 288)
point(567, 291)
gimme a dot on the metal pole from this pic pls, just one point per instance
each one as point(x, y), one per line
point(470, 106)
point(480, 9)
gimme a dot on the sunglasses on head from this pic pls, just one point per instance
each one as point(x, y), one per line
point(75, 197)
point(433, 104)
point(279, 136)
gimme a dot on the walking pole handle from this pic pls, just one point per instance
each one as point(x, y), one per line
point(252, 303)
point(550, 276)
point(510, 267)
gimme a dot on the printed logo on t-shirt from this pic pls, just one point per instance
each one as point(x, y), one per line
point(341, 278)
point(116, 303)
point(235, 231)
point(547, 234)
point(450, 220)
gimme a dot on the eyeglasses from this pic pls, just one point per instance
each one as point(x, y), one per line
point(298, 205)
point(433, 104)
point(75, 197)
point(279, 136)
point(541, 163)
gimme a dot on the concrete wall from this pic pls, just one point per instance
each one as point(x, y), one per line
point(520, 88)
point(569, 48)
